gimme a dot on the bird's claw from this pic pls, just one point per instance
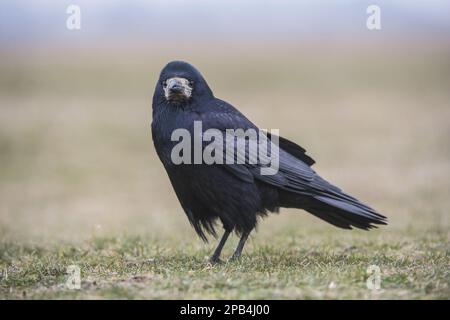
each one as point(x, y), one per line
point(215, 260)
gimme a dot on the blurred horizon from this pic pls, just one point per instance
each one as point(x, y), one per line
point(43, 22)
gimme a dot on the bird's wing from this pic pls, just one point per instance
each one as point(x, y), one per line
point(294, 172)
point(294, 165)
point(230, 117)
point(293, 149)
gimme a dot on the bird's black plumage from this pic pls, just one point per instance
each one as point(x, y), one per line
point(236, 194)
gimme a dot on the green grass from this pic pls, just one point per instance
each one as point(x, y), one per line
point(288, 266)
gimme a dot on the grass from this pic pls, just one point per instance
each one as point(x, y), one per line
point(80, 183)
point(291, 267)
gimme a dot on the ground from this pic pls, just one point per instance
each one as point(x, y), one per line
point(80, 183)
point(294, 265)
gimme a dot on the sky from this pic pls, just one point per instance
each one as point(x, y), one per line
point(45, 20)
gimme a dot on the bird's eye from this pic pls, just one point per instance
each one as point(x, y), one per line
point(191, 82)
point(164, 83)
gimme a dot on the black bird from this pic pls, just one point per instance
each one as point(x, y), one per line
point(236, 194)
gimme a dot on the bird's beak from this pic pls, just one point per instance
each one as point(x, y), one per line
point(175, 85)
point(177, 89)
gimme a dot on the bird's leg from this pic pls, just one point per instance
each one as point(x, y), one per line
point(215, 258)
point(240, 246)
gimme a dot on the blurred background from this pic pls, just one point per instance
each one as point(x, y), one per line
point(76, 154)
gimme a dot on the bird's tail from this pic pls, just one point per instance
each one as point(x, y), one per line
point(335, 207)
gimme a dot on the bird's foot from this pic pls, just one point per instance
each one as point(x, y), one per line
point(215, 260)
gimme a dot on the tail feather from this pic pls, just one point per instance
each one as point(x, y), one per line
point(343, 219)
point(337, 208)
point(352, 208)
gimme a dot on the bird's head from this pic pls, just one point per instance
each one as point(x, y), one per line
point(180, 84)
